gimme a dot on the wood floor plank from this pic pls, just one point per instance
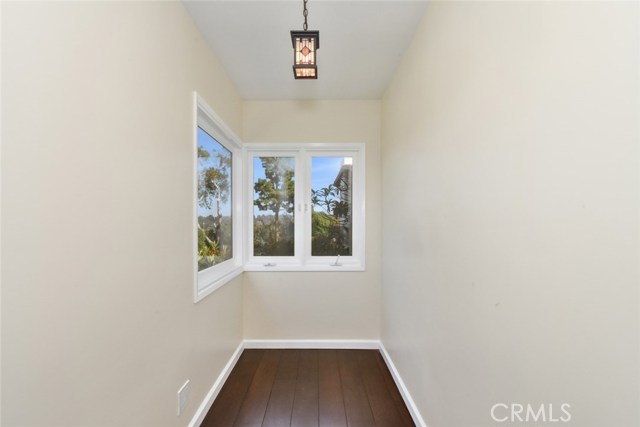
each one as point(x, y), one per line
point(305, 403)
point(356, 402)
point(330, 397)
point(254, 406)
point(280, 405)
point(309, 388)
point(382, 405)
point(394, 392)
point(224, 409)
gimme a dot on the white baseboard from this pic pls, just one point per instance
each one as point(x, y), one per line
point(408, 400)
point(198, 417)
point(300, 344)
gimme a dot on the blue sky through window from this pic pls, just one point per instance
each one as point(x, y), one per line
point(324, 171)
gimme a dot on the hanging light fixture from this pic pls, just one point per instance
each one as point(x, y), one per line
point(305, 44)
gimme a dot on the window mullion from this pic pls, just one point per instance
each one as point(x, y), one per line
point(301, 209)
point(306, 200)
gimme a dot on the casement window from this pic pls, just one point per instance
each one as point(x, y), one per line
point(305, 207)
point(217, 197)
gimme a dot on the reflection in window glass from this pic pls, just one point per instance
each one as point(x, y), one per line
point(273, 206)
point(214, 202)
point(331, 217)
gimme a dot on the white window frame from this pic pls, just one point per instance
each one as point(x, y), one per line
point(212, 278)
point(272, 261)
point(302, 259)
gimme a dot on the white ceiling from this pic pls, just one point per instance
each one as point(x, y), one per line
point(361, 43)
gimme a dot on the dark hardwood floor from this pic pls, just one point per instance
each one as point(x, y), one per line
point(309, 388)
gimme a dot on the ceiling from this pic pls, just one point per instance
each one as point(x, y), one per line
point(361, 43)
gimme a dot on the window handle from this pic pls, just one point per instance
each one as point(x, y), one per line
point(306, 207)
point(269, 264)
point(336, 263)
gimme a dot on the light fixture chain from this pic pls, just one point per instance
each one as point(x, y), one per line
point(305, 13)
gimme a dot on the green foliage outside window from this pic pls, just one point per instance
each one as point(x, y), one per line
point(273, 226)
point(214, 197)
point(274, 213)
point(331, 222)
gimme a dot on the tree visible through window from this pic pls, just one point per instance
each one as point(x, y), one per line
point(305, 206)
point(215, 229)
point(331, 217)
point(274, 206)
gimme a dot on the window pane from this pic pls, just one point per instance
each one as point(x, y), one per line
point(214, 202)
point(331, 223)
point(273, 206)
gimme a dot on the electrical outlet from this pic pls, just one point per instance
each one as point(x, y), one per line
point(183, 396)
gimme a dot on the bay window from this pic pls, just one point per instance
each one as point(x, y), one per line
point(272, 207)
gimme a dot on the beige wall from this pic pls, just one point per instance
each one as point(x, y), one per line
point(318, 305)
point(98, 322)
point(510, 166)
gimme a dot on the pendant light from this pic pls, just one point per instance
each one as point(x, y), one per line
point(305, 44)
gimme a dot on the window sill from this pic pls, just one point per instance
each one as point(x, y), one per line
point(255, 267)
point(308, 267)
point(219, 282)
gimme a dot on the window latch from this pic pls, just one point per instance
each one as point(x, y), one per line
point(336, 263)
point(269, 264)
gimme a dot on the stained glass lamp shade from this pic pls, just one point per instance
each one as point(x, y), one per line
point(305, 45)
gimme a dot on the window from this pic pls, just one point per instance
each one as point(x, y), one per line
point(306, 207)
point(332, 206)
point(215, 219)
point(273, 206)
point(217, 225)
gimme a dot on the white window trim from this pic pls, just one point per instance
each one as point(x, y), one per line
point(207, 281)
point(273, 263)
point(303, 261)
